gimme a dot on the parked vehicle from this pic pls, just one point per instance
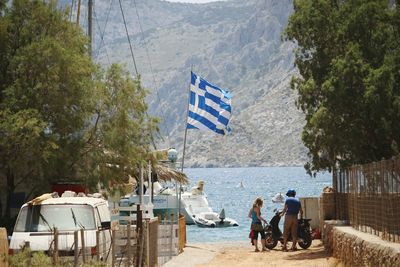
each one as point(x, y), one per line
point(37, 220)
point(273, 234)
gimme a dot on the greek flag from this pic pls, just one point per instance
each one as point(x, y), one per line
point(209, 106)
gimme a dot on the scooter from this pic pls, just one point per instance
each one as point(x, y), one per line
point(273, 234)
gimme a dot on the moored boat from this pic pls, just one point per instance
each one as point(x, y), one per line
point(213, 220)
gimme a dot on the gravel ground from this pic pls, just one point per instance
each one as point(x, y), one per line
point(242, 254)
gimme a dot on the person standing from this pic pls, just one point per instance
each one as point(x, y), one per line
point(291, 211)
point(256, 225)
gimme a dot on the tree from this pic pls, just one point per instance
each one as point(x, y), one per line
point(61, 116)
point(348, 58)
point(120, 138)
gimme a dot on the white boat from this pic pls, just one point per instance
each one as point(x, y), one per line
point(165, 202)
point(240, 185)
point(278, 198)
point(213, 220)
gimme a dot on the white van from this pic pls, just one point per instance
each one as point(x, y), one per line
point(35, 224)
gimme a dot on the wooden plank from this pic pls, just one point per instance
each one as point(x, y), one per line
point(3, 247)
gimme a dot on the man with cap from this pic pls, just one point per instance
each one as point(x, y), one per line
point(291, 211)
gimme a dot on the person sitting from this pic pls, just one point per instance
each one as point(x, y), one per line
point(198, 190)
point(291, 211)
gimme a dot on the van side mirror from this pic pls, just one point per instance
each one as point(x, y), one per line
point(105, 225)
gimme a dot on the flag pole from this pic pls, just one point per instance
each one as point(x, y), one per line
point(184, 145)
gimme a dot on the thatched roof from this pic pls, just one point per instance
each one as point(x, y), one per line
point(164, 174)
point(167, 174)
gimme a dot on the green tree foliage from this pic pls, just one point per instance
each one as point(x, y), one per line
point(61, 117)
point(122, 132)
point(348, 57)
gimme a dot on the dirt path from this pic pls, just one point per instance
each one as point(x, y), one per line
point(242, 254)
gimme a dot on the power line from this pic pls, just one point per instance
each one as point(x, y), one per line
point(129, 40)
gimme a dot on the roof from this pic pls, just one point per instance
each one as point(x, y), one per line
point(92, 201)
point(164, 173)
point(167, 174)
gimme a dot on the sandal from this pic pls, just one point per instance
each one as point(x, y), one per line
point(256, 250)
point(284, 249)
point(293, 249)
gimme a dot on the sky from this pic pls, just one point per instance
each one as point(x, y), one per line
point(194, 1)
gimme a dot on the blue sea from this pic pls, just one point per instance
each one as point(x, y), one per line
point(222, 188)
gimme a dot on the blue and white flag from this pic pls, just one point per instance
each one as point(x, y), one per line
point(209, 106)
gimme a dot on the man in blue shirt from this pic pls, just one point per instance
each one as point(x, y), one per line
point(292, 209)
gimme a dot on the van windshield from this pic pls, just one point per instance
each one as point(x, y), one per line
point(43, 218)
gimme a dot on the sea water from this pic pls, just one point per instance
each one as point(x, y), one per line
point(222, 186)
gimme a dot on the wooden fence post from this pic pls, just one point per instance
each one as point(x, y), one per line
point(27, 245)
point(55, 254)
point(83, 245)
point(97, 245)
point(147, 242)
point(128, 243)
point(76, 248)
point(172, 234)
point(139, 231)
point(3, 247)
point(113, 247)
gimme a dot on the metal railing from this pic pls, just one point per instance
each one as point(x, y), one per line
point(368, 196)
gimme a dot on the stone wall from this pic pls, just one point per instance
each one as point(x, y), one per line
point(355, 248)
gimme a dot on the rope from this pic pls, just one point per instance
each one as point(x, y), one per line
point(129, 40)
point(72, 9)
point(147, 52)
point(156, 85)
point(102, 38)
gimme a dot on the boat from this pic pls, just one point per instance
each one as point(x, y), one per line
point(213, 220)
point(278, 198)
point(166, 201)
point(163, 200)
point(240, 185)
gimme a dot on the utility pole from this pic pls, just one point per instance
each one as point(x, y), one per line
point(78, 13)
point(90, 27)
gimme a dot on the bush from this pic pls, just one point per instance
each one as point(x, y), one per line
point(40, 259)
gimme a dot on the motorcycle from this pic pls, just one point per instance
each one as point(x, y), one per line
point(273, 234)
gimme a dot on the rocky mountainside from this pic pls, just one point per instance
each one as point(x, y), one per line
point(236, 45)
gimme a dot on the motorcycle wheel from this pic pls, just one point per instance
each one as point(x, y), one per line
point(306, 241)
point(270, 242)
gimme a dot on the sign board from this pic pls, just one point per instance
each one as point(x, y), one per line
point(114, 219)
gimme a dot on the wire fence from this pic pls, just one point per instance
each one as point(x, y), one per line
point(368, 196)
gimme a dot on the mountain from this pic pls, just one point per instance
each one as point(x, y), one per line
point(236, 45)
